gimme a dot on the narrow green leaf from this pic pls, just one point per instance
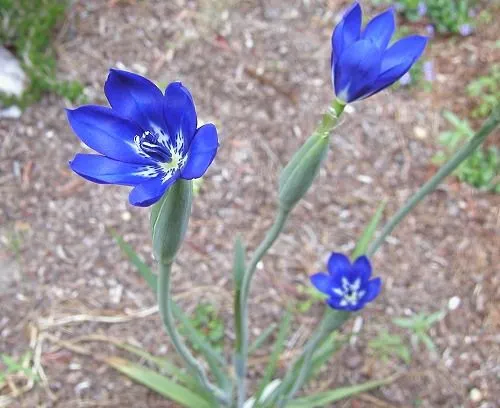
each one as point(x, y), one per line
point(239, 263)
point(165, 365)
point(259, 341)
point(369, 232)
point(275, 355)
point(159, 383)
point(212, 356)
point(320, 357)
point(196, 339)
point(323, 399)
point(141, 266)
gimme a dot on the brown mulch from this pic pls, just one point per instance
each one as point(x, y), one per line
point(260, 71)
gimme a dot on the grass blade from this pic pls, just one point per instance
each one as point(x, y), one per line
point(323, 399)
point(275, 355)
point(141, 266)
point(369, 232)
point(159, 383)
point(259, 341)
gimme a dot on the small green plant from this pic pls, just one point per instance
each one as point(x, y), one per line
point(26, 27)
point(13, 367)
point(310, 297)
point(419, 326)
point(209, 324)
point(447, 16)
point(387, 345)
point(481, 168)
point(486, 90)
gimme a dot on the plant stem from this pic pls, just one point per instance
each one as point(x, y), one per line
point(241, 354)
point(489, 125)
point(332, 320)
point(328, 121)
point(165, 307)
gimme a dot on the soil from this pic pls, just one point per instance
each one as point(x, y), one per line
point(260, 71)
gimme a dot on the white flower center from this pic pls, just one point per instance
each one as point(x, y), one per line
point(349, 292)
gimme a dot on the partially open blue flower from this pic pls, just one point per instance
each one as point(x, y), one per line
point(348, 286)
point(362, 62)
point(146, 139)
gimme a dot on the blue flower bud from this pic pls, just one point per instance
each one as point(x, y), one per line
point(362, 62)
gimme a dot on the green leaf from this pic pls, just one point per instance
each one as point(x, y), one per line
point(162, 363)
point(275, 355)
point(141, 266)
point(239, 263)
point(321, 356)
point(193, 335)
point(369, 232)
point(259, 341)
point(159, 383)
point(323, 399)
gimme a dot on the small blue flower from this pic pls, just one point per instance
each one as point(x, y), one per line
point(362, 63)
point(347, 285)
point(147, 139)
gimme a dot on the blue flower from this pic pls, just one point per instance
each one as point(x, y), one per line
point(362, 63)
point(147, 139)
point(347, 285)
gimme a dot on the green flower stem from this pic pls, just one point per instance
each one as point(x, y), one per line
point(165, 306)
point(489, 125)
point(242, 335)
point(328, 122)
point(297, 375)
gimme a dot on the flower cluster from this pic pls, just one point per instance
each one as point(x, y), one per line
point(348, 286)
point(362, 62)
point(147, 139)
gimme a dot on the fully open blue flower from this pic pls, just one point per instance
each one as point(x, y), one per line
point(347, 285)
point(146, 139)
point(362, 62)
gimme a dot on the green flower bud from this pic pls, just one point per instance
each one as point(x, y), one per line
point(299, 174)
point(169, 220)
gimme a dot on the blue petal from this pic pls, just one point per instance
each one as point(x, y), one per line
point(149, 192)
point(356, 70)
point(380, 29)
point(106, 132)
point(398, 60)
point(322, 282)
point(346, 32)
point(103, 170)
point(135, 98)
point(372, 290)
point(408, 48)
point(179, 112)
point(362, 268)
point(338, 265)
point(201, 152)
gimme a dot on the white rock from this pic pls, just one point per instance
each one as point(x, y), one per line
point(13, 80)
point(12, 112)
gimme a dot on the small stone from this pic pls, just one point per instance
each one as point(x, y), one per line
point(126, 216)
point(475, 395)
point(12, 77)
point(420, 132)
point(453, 303)
point(12, 112)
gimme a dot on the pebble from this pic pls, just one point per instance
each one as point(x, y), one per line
point(420, 132)
point(453, 303)
point(475, 395)
point(13, 80)
point(12, 112)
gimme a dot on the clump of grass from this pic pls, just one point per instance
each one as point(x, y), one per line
point(27, 28)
